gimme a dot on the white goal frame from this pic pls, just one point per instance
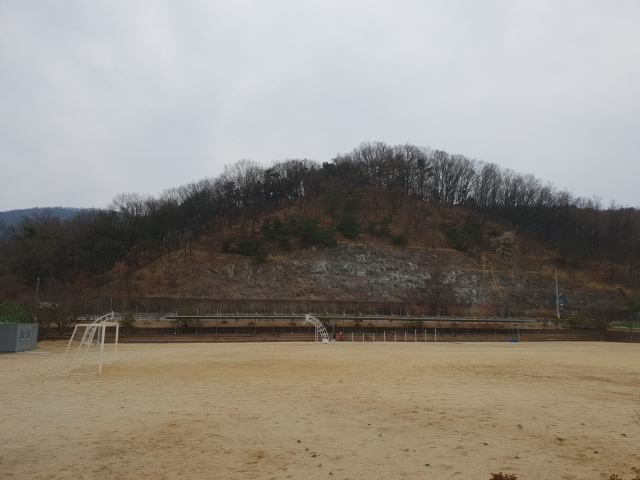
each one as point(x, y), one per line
point(321, 332)
point(89, 340)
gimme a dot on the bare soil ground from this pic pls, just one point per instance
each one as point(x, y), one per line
point(343, 411)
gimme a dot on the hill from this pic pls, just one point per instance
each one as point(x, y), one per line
point(428, 275)
point(393, 224)
point(12, 217)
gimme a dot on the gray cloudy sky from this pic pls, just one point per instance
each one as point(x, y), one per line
point(102, 97)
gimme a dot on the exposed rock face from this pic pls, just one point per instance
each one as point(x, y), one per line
point(360, 272)
point(394, 273)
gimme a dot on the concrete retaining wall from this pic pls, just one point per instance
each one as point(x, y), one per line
point(208, 334)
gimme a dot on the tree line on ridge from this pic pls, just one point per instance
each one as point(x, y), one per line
point(133, 226)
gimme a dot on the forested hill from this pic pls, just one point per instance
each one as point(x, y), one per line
point(406, 194)
point(13, 217)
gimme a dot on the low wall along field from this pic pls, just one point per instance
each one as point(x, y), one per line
point(204, 335)
point(346, 410)
point(296, 330)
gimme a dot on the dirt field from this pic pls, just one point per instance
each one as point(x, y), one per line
point(358, 411)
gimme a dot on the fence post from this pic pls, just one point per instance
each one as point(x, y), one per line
point(435, 335)
point(374, 337)
point(415, 336)
point(384, 336)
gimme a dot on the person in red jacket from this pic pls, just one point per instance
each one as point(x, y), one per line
point(341, 338)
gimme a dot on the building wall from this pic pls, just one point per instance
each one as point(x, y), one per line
point(18, 337)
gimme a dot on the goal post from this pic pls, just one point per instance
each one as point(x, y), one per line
point(321, 333)
point(91, 346)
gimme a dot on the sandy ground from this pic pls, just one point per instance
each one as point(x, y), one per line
point(358, 411)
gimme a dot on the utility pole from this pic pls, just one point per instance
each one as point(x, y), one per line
point(557, 296)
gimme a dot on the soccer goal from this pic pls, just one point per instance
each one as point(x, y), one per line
point(321, 332)
point(92, 345)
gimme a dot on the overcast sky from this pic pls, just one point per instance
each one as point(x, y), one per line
point(102, 97)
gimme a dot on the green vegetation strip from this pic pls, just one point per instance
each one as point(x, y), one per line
point(14, 312)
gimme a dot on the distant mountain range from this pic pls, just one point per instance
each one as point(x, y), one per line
point(11, 217)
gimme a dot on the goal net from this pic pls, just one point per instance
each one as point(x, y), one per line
point(91, 346)
point(321, 333)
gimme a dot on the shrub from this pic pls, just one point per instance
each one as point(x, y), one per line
point(399, 239)
point(502, 476)
point(634, 303)
point(380, 227)
point(306, 229)
point(631, 326)
point(128, 319)
point(251, 248)
point(327, 236)
point(285, 243)
point(464, 237)
point(349, 227)
point(14, 312)
point(184, 321)
point(576, 321)
point(274, 229)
